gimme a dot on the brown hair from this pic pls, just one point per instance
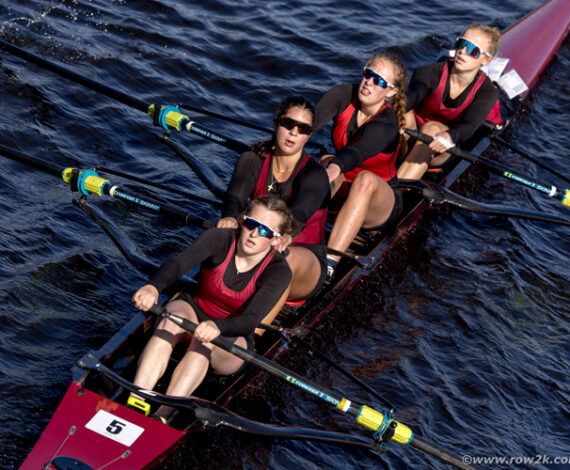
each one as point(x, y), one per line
point(288, 225)
point(401, 83)
point(265, 147)
point(492, 33)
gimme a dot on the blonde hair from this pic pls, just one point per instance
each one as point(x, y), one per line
point(492, 33)
point(401, 83)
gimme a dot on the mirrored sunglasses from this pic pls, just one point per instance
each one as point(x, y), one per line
point(264, 231)
point(472, 49)
point(376, 77)
point(289, 124)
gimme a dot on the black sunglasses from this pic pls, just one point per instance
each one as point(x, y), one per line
point(289, 124)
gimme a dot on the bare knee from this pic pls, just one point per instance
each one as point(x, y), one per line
point(364, 183)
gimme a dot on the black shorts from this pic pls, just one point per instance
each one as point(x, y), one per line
point(320, 251)
point(396, 210)
point(187, 297)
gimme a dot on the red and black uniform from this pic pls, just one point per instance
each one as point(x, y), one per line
point(306, 193)
point(372, 146)
point(428, 97)
point(235, 302)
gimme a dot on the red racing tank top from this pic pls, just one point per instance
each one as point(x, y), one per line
point(314, 230)
point(219, 301)
point(432, 108)
point(381, 164)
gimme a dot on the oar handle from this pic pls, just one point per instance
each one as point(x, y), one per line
point(562, 195)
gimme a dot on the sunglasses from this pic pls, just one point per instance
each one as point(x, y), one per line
point(472, 49)
point(376, 77)
point(264, 231)
point(289, 124)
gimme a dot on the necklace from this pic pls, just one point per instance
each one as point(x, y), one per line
point(273, 183)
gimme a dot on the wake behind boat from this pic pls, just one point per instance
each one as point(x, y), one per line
point(91, 425)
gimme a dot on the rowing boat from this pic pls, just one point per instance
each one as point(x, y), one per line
point(80, 432)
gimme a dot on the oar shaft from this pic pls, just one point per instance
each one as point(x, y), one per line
point(499, 169)
point(89, 182)
point(196, 197)
point(124, 98)
point(524, 154)
point(65, 72)
point(364, 415)
point(30, 161)
point(441, 454)
point(289, 335)
point(169, 210)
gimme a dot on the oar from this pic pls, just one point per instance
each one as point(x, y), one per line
point(437, 194)
point(167, 116)
point(89, 182)
point(552, 191)
point(227, 118)
point(129, 250)
point(321, 148)
point(524, 154)
point(290, 335)
point(208, 177)
point(125, 245)
point(187, 195)
point(494, 128)
point(384, 427)
point(212, 415)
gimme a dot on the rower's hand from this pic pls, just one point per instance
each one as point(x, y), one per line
point(333, 172)
point(441, 142)
point(145, 297)
point(206, 331)
point(227, 222)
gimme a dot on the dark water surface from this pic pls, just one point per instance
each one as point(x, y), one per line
point(465, 326)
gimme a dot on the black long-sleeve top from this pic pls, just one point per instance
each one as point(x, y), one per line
point(379, 135)
point(309, 188)
point(211, 249)
point(426, 79)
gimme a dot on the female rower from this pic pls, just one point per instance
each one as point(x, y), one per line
point(241, 280)
point(450, 100)
point(279, 167)
point(362, 174)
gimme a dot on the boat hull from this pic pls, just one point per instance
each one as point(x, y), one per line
point(95, 431)
point(546, 26)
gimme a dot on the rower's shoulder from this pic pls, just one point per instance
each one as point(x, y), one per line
point(429, 71)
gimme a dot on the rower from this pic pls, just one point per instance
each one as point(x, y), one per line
point(280, 168)
point(450, 100)
point(362, 175)
point(242, 278)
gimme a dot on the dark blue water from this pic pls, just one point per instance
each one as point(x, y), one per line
point(465, 326)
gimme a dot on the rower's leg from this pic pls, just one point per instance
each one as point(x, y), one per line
point(421, 156)
point(154, 359)
point(192, 369)
point(306, 271)
point(369, 203)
